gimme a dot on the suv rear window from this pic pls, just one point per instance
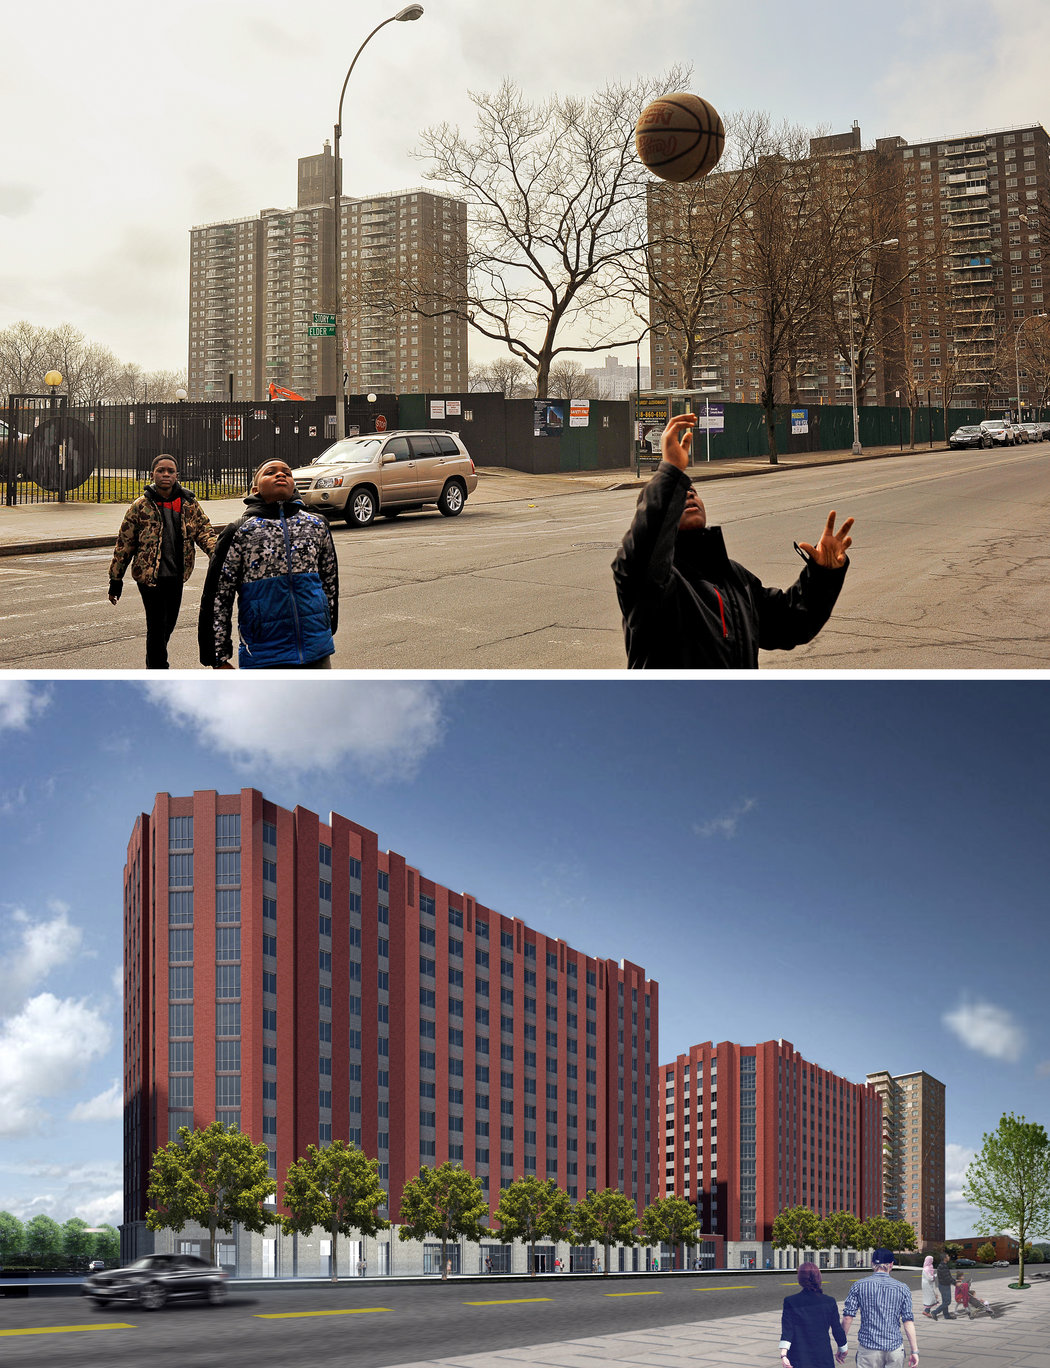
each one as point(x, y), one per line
point(446, 445)
point(423, 445)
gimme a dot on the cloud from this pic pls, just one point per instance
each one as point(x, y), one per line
point(384, 728)
point(91, 1190)
point(106, 1106)
point(20, 702)
point(39, 948)
point(1042, 1069)
point(988, 1029)
point(725, 825)
point(957, 1211)
point(44, 1050)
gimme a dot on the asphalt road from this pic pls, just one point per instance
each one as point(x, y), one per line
point(949, 572)
point(373, 1324)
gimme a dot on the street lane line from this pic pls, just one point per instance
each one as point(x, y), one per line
point(736, 1287)
point(634, 1294)
point(510, 1301)
point(299, 1315)
point(67, 1329)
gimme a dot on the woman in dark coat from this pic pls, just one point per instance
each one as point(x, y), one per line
point(808, 1318)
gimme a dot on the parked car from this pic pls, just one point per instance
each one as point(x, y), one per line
point(156, 1279)
point(96, 1265)
point(965, 1263)
point(1000, 1263)
point(997, 432)
point(12, 445)
point(388, 473)
point(1018, 431)
point(1036, 432)
point(968, 436)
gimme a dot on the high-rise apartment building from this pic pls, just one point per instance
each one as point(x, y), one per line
point(752, 1129)
point(285, 974)
point(913, 1152)
point(614, 380)
point(255, 284)
point(969, 214)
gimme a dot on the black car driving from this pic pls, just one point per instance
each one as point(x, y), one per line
point(156, 1279)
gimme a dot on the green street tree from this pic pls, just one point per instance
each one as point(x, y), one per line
point(796, 1228)
point(670, 1220)
point(446, 1202)
point(1009, 1182)
point(877, 1231)
point(986, 1253)
point(43, 1243)
point(530, 1210)
point(1033, 1254)
point(76, 1245)
point(107, 1244)
point(337, 1188)
point(952, 1251)
point(215, 1177)
point(12, 1237)
point(606, 1218)
point(902, 1236)
point(840, 1229)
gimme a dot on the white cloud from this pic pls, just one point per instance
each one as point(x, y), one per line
point(106, 1106)
point(385, 728)
point(20, 702)
point(44, 1051)
point(31, 954)
point(958, 1214)
point(726, 825)
point(1042, 1069)
point(988, 1029)
point(90, 1190)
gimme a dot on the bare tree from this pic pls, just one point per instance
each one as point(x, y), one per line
point(568, 381)
point(505, 375)
point(26, 356)
point(555, 195)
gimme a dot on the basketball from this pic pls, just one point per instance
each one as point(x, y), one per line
point(679, 137)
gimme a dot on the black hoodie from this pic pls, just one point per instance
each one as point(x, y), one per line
point(686, 605)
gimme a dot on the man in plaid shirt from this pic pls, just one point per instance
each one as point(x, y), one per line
point(885, 1307)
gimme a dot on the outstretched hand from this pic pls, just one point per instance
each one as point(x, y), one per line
point(831, 550)
point(677, 440)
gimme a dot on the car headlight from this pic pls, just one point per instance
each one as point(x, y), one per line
point(329, 482)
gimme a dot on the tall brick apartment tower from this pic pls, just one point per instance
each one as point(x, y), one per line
point(284, 974)
point(913, 1151)
point(752, 1129)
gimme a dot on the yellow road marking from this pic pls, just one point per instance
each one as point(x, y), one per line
point(298, 1315)
point(634, 1294)
point(509, 1301)
point(66, 1329)
point(735, 1287)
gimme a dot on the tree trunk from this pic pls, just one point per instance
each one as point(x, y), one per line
point(335, 1256)
point(444, 1259)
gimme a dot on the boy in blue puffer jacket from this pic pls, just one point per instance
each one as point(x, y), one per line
point(279, 562)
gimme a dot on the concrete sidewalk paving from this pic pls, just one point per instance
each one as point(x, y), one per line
point(76, 525)
point(1017, 1337)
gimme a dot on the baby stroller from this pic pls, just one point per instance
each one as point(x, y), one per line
point(966, 1299)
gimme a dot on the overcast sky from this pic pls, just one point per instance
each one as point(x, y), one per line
point(859, 868)
point(126, 124)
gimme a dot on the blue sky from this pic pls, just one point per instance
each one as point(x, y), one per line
point(859, 868)
point(159, 118)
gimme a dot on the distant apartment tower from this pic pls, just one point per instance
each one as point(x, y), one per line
point(255, 284)
point(752, 1129)
point(284, 974)
point(913, 1151)
point(614, 380)
point(971, 215)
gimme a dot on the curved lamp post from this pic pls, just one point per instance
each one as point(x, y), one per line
point(874, 247)
point(1017, 360)
point(402, 16)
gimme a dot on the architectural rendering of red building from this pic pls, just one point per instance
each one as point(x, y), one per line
point(286, 974)
point(752, 1129)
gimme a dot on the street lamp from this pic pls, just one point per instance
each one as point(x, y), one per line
point(402, 16)
point(1017, 361)
point(874, 247)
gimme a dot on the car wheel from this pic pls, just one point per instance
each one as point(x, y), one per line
point(361, 508)
point(100, 1302)
point(217, 1294)
point(153, 1296)
point(451, 499)
point(986, 442)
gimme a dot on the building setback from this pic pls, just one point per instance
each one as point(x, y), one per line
point(913, 1152)
point(752, 1129)
point(284, 974)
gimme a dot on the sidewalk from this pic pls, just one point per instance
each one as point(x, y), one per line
point(1018, 1337)
point(72, 526)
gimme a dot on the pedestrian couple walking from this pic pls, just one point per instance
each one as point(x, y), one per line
point(277, 562)
point(884, 1307)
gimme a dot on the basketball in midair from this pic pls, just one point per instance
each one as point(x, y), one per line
point(679, 137)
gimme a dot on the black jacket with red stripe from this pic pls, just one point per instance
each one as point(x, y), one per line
point(687, 606)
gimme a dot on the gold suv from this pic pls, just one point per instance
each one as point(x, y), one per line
point(388, 473)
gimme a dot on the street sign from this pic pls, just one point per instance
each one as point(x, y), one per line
point(324, 318)
point(380, 423)
point(321, 330)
